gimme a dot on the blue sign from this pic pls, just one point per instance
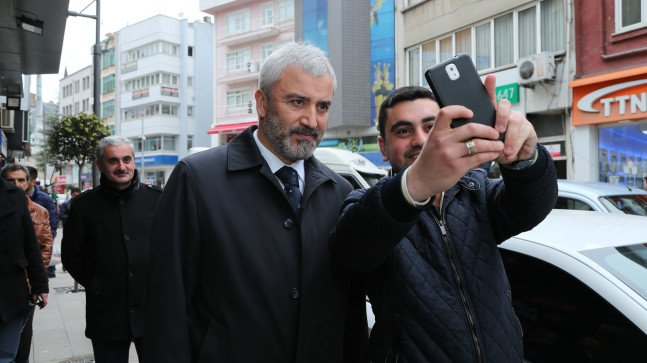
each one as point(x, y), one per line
point(156, 160)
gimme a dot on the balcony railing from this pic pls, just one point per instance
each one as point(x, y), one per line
point(256, 30)
point(247, 72)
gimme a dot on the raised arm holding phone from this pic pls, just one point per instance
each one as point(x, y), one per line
point(426, 238)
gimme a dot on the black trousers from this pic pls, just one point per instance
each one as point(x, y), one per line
point(24, 348)
point(115, 351)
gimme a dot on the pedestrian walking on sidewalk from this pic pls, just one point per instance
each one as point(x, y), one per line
point(20, 252)
point(105, 248)
point(19, 176)
point(41, 198)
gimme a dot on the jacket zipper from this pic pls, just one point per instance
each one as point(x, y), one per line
point(459, 283)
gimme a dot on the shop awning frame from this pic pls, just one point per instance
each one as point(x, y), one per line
point(230, 128)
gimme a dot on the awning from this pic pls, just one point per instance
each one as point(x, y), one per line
point(610, 97)
point(230, 128)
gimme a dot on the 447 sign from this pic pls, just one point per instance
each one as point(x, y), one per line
point(509, 92)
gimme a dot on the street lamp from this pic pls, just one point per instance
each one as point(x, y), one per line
point(96, 52)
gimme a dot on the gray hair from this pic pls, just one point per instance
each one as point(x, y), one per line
point(307, 57)
point(114, 140)
point(14, 167)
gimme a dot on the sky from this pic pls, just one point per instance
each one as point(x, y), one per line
point(115, 15)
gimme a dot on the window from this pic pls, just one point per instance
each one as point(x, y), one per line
point(503, 40)
point(189, 111)
point(553, 28)
point(563, 317)
point(631, 14)
point(190, 52)
point(428, 55)
point(108, 109)
point(169, 143)
point(537, 28)
point(76, 87)
point(108, 58)
point(237, 98)
point(189, 81)
point(266, 50)
point(284, 10)
point(527, 32)
point(267, 14)
point(237, 60)
point(238, 22)
point(108, 84)
point(464, 41)
point(414, 67)
point(76, 107)
point(483, 57)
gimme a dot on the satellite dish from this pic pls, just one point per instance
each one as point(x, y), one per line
point(526, 69)
point(180, 15)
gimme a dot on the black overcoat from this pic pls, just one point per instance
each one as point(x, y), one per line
point(235, 277)
point(105, 248)
point(19, 250)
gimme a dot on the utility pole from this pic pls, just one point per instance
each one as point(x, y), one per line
point(96, 52)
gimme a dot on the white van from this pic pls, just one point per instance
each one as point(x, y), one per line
point(357, 169)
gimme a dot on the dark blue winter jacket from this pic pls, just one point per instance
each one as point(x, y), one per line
point(435, 279)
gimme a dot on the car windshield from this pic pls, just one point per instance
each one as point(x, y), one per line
point(629, 204)
point(627, 263)
point(371, 179)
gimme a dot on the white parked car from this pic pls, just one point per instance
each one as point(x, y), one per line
point(579, 287)
point(601, 197)
point(354, 167)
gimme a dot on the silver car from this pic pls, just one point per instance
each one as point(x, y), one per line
point(601, 197)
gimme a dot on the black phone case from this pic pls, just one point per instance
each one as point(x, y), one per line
point(466, 90)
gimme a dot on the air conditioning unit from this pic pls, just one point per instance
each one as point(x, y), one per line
point(6, 120)
point(536, 68)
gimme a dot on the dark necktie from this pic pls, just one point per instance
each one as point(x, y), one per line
point(290, 180)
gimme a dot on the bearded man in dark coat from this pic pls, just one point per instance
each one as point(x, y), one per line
point(240, 269)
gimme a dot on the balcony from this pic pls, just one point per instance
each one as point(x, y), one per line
point(257, 30)
point(248, 72)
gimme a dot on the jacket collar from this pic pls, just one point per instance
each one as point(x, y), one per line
point(7, 203)
point(242, 153)
point(107, 185)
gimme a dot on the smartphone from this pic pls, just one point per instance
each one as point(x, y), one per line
point(455, 81)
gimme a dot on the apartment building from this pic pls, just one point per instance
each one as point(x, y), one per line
point(609, 125)
point(108, 76)
point(75, 93)
point(246, 32)
point(527, 45)
point(163, 90)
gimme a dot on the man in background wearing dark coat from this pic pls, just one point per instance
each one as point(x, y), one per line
point(105, 248)
point(43, 199)
point(20, 252)
point(18, 175)
point(240, 269)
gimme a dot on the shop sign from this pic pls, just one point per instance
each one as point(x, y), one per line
point(60, 179)
point(509, 92)
point(140, 93)
point(554, 150)
point(168, 91)
point(614, 97)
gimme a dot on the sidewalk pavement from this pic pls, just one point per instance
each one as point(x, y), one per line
point(59, 328)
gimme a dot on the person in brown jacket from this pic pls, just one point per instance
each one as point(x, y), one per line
point(19, 176)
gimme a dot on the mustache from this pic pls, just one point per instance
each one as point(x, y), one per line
point(410, 153)
point(304, 130)
point(121, 172)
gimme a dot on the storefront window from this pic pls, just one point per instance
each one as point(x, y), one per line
point(621, 154)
